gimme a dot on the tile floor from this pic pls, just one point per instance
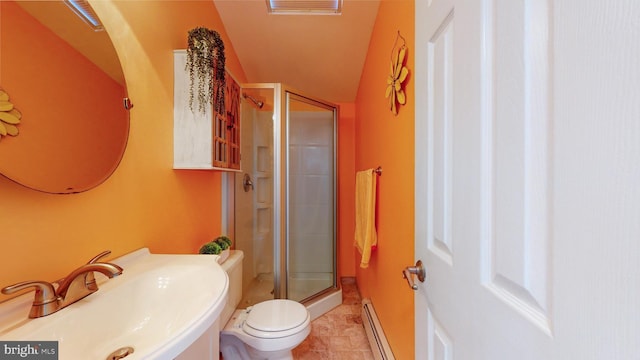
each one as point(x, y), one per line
point(338, 334)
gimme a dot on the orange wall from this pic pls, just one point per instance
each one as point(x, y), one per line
point(346, 189)
point(383, 139)
point(145, 203)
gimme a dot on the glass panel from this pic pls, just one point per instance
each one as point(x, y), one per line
point(310, 197)
point(220, 140)
point(232, 106)
point(254, 195)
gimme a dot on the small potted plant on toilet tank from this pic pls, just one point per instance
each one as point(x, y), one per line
point(219, 246)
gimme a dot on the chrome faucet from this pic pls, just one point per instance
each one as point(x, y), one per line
point(75, 286)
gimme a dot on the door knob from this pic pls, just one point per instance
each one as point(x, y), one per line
point(418, 270)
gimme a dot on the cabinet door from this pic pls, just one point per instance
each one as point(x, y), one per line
point(232, 105)
point(220, 142)
point(226, 129)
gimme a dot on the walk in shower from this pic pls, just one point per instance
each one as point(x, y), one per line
point(285, 197)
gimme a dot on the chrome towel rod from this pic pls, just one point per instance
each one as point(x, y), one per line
point(378, 170)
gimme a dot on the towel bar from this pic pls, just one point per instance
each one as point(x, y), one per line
point(378, 170)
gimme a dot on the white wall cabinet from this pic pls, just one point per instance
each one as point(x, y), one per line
point(204, 140)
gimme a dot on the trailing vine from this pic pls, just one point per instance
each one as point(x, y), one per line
point(206, 66)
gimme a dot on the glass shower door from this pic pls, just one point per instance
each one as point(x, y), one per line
point(255, 206)
point(310, 197)
point(284, 199)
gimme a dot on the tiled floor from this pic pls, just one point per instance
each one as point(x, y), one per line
point(338, 334)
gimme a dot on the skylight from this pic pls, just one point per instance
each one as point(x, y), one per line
point(305, 7)
point(86, 13)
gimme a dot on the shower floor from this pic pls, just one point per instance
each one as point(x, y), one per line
point(301, 286)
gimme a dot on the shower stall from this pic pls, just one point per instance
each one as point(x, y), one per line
point(284, 198)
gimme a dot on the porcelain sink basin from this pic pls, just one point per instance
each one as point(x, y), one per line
point(159, 306)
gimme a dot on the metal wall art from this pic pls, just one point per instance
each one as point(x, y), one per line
point(395, 88)
point(9, 116)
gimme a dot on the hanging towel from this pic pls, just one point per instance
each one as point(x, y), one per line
point(366, 238)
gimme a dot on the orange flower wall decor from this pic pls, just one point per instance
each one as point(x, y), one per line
point(9, 116)
point(398, 74)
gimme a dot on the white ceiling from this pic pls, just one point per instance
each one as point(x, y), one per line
point(320, 55)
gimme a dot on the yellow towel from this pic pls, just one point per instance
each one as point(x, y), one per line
point(365, 234)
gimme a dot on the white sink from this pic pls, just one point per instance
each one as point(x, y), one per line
point(159, 306)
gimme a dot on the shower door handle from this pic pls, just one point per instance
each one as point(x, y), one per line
point(418, 270)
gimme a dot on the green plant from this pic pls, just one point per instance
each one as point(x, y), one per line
point(216, 246)
point(224, 242)
point(211, 247)
point(206, 64)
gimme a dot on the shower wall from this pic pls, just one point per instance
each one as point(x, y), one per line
point(254, 207)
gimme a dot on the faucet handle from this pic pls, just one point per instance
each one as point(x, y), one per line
point(45, 301)
point(99, 256)
point(89, 278)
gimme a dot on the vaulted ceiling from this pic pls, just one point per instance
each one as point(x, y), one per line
point(319, 55)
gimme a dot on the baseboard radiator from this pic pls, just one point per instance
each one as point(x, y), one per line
point(375, 334)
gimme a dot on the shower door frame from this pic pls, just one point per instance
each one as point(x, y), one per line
point(280, 188)
point(283, 286)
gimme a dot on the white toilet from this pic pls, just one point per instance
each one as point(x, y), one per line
point(268, 330)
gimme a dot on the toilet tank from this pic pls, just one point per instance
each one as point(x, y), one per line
point(233, 267)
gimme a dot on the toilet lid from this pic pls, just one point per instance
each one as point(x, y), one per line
point(275, 318)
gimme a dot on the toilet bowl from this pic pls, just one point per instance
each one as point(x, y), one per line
point(268, 330)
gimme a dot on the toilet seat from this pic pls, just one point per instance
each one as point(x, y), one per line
point(280, 335)
point(276, 319)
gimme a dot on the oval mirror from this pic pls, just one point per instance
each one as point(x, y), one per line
point(66, 81)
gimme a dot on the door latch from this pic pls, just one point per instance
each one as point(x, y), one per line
point(418, 270)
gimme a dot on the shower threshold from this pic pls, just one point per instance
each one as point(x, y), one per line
point(326, 297)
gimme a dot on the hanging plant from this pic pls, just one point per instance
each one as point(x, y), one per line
point(205, 63)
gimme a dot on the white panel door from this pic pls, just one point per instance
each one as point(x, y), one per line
point(528, 179)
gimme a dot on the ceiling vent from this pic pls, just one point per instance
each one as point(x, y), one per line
point(305, 7)
point(85, 12)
